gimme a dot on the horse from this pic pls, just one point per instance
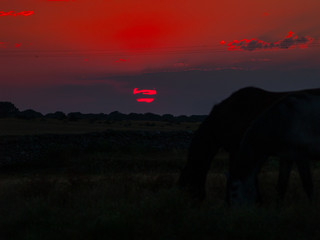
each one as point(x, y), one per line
point(223, 129)
point(289, 129)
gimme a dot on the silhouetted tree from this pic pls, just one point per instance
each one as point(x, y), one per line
point(74, 116)
point(116, 116)
point(151, 117)
point(29, 114)
point(167, 118)
point(57, 115)
point(8, 109)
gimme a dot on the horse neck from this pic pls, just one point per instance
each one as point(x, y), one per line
point(245, 163)
point(202, 148)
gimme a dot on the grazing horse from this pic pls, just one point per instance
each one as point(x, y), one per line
point(289, 129)
point(224, 128)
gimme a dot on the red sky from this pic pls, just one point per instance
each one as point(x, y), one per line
point(90, 42)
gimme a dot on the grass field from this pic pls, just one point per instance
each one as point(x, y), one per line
point(132, 195)
point(38, 126)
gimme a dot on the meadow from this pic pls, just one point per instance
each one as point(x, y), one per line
point(131, 193)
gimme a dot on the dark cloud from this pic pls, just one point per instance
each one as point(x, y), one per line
point(290, 41)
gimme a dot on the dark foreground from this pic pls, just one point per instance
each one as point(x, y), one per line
point(131, 194)
point(121, 185)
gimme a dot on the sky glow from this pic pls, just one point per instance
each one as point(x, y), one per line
point(73, 50)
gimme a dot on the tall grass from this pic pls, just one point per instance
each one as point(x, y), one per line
point(127, 195)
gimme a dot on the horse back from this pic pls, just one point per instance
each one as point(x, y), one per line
point(289, 124)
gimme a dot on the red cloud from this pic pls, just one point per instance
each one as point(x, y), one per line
point(12, 45)
point(144, 91)
point(12, 13)
point(181, 64)
point(290, 41)
point(122, 60)
point(147, 100)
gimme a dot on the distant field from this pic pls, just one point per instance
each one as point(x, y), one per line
point(26, 127)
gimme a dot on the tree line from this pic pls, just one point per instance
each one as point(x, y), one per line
point(9, 110)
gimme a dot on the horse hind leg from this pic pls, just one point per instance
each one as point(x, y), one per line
point(306, 176)
point(285, 166)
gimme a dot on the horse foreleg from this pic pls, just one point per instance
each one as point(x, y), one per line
point(306, 177)
point(285, 167)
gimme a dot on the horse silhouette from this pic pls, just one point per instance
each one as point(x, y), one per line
point(289, 129)
point(224, 128)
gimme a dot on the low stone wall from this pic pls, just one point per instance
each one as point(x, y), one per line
point(18, 149)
